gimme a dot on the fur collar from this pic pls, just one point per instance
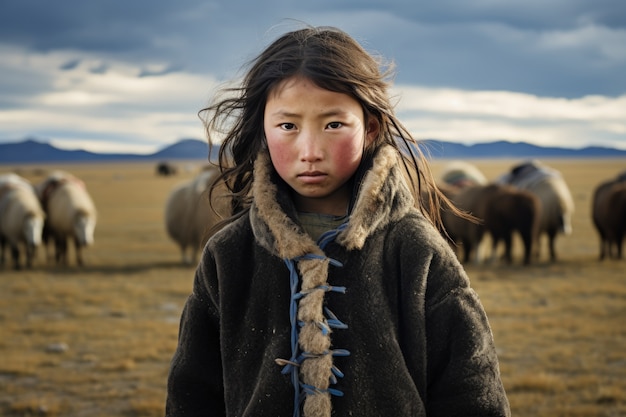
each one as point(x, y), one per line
point(383, 197)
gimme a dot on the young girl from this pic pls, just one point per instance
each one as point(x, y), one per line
point(331, 289)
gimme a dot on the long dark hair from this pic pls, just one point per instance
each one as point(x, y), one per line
point(333, 60)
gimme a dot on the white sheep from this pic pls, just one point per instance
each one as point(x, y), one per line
point(557, 203)
point(189, 219)
point(71, 214)
point(21, 219)
point(460, 174)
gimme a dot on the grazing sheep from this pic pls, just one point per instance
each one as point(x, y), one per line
point(461, 174)
point(21, 219)
point(189, 218)
point(609, 215)
point(166, 169)
point(502, 210)
point(71, 214)
point(556, 199)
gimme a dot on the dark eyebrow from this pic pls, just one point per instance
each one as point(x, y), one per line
point(333, 112)
point(329, 113)
point(284, 113)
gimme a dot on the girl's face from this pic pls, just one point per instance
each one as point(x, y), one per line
point(316, 139)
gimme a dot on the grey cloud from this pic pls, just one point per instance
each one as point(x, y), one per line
point(155, 73)
point(92, 25)
point(531, 14)
point(70, 65)
point(473, 45)
point(100, 68)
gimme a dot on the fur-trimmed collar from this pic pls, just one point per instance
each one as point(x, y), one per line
point(383, 196)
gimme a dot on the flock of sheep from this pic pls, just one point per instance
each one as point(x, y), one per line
point(531, 199)
point(59, 210)
point(55, 211)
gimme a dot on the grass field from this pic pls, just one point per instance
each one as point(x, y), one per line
point(97, 341)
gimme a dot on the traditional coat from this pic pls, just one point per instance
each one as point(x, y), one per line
point(377, 318)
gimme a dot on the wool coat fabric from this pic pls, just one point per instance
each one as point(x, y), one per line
point(380, 322)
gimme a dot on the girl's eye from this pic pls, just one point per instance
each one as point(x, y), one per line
point(288, 126)
point(334, 125)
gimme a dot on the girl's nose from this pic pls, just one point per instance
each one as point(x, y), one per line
point(311, 150)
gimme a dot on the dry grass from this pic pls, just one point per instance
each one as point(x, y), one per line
point(97, 341)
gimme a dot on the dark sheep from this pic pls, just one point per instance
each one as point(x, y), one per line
point(502, 210)
point(165, 169)
point(609, 215)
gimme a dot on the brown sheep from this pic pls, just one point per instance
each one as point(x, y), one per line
point(609, 216)
point(503, 210)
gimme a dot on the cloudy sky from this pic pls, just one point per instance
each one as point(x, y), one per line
point(130, 76)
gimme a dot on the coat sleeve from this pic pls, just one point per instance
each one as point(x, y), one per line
point(195, 384)
point(463, 370)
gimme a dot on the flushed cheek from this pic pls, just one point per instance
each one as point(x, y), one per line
point(283, 159)
point(346, 159)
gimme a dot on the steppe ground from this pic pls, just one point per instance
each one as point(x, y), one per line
point(97, 341)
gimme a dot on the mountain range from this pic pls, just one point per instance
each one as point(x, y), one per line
point(36, 151)
point(33, 151)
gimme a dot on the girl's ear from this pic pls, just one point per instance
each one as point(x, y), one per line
point(373, 129)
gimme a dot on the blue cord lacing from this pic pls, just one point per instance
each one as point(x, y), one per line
point(292, 365)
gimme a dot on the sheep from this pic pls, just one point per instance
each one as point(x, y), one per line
point(166, 169)
point(461, 174)
point(609, 215)
point(189, 218)
point(71, 214)
point(21, 219)
point(556, 199)
point(502, 210)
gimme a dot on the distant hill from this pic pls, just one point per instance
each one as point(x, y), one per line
point(34, 151)
point(516, 150)
point(186, 149)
